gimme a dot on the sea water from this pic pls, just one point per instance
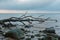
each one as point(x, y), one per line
point(37, 26)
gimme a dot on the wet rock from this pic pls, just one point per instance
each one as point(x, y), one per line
point(28, 38)
point(32, 36)
point(37, 35)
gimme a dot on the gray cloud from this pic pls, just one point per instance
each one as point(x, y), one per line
point(29, 5)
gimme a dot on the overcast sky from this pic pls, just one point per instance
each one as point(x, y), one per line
point(51, 5)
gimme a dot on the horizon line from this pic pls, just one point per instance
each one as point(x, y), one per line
point(28, 11)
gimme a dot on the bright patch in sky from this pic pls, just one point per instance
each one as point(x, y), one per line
point(22, 1)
